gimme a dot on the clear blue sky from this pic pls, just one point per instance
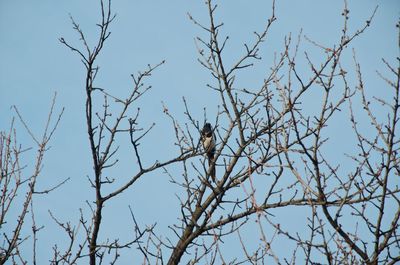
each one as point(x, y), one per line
point(34, 65)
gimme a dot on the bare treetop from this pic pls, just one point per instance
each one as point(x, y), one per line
point(260, 170)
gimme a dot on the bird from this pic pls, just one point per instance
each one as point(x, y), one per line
point(208, 141)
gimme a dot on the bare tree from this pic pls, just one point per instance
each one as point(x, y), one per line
point(14, 181)
point(102, 130)
point(265, 133)
point(271, 155)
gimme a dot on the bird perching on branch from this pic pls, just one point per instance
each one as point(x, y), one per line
point(208, 140)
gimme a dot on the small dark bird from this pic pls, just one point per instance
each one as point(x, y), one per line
point(208, 140)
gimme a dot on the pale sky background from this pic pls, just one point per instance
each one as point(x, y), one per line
point(34, 65)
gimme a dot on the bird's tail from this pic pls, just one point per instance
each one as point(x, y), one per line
point(212, 166)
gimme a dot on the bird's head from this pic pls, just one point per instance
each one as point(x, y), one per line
point(207, 130)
